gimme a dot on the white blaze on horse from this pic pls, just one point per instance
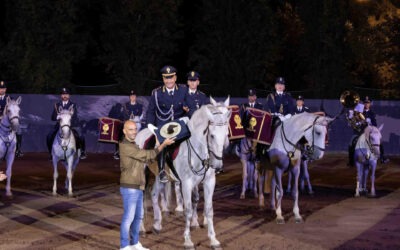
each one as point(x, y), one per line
point(285, 154)
point(64, 149)
point(366, 155)
point(198, 159)
point(9, 126)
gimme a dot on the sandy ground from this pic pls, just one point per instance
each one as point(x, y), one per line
point(34, 219)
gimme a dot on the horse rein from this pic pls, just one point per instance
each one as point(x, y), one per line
point(205, 162)
point(9, 130)
point(370, 145)
point(309, 150)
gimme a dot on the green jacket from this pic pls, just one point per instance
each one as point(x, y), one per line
point(132, 160)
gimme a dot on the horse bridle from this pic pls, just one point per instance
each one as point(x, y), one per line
point(7, 143)
point(309, 150)
point(205, 162)
point(370, 145)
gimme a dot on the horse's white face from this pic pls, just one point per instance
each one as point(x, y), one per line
point(64, 119)
point(217, 137)
point(11, 111)
point(374, 136)
point(315, 137)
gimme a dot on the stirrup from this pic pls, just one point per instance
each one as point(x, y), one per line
point(163, 176)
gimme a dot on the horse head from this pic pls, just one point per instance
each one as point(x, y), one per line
point(64, 117)
point(137, 119)
point(373, 138)
point(315, 134)
point(11, 111)
point(218, 115)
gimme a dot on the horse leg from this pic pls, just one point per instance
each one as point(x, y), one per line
point(209, 186)
point(273, 192)
point(260, 185)
point(279, 194)
point(306, 177)
point(373, 167)
point(359, 178)
point(296, 211)
point(69, 175)
point(155, 192)
point(179, 200)
point(244, 178)
point(195, 201)
point(163, 196)
point(255, 178)
point(289, 184)
point(9, 163)
point(365, 177)
point(55, 175)
point(187, 198)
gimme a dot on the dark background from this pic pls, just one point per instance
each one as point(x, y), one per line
point(110, 47)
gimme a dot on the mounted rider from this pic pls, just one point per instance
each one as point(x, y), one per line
point(167, 103)
point(3, 103)
point(65, 104)
point(195, 98)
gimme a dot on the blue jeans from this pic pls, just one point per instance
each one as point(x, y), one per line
point(133, 214)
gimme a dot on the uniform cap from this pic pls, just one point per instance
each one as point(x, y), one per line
point(65, 91)
point(168, 71)
point(252, 92)
point(280, 80)
point(193, 76)
point(3, 85)
point(300, 97)
point(367, 100)
point(132, 92)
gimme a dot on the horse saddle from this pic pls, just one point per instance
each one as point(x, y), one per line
point(172, 150)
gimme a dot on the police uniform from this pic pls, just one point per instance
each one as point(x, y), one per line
point(280, 103)
point(194, 100)
point(18, 135)
point(165, 106)
point(80, 140)
point(255, 104)
point(302, 109)
point(130, 109)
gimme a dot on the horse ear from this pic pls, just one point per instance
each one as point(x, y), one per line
point(380, 127)
point(227, 101)
point(19, 99)
point(8, 99)
point(212, 101)
point(229, 113)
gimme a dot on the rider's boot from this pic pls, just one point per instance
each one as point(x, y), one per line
point(18, 152)
point(161, 165)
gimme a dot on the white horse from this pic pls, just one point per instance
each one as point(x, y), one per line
point(9, 125)
point(64, 149)
point(366, 155)
point(285, 154)
point(246, 153)
point(198, 159)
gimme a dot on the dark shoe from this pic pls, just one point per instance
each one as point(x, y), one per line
point(163, 176)
point(19, 153)
point(116, 155)
point(83, 155)
point(50, 157)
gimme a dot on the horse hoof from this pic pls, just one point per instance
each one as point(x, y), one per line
point(241, 196)
point(188, 247)
point(194, 227)
point(55, 194)
point(371, 195)
point(298, 220)
point(178, 213)
point(216, 247)
point(357, 195)
point(155, 231)
point(280, 221)
point(311, 193)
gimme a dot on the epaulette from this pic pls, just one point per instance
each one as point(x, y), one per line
point(200, 92)
point(287, 93)
point(154, 90)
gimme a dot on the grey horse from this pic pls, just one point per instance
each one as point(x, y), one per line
point(64, 149)
point(285, 154)
point(9, 125)
point(366, 155)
